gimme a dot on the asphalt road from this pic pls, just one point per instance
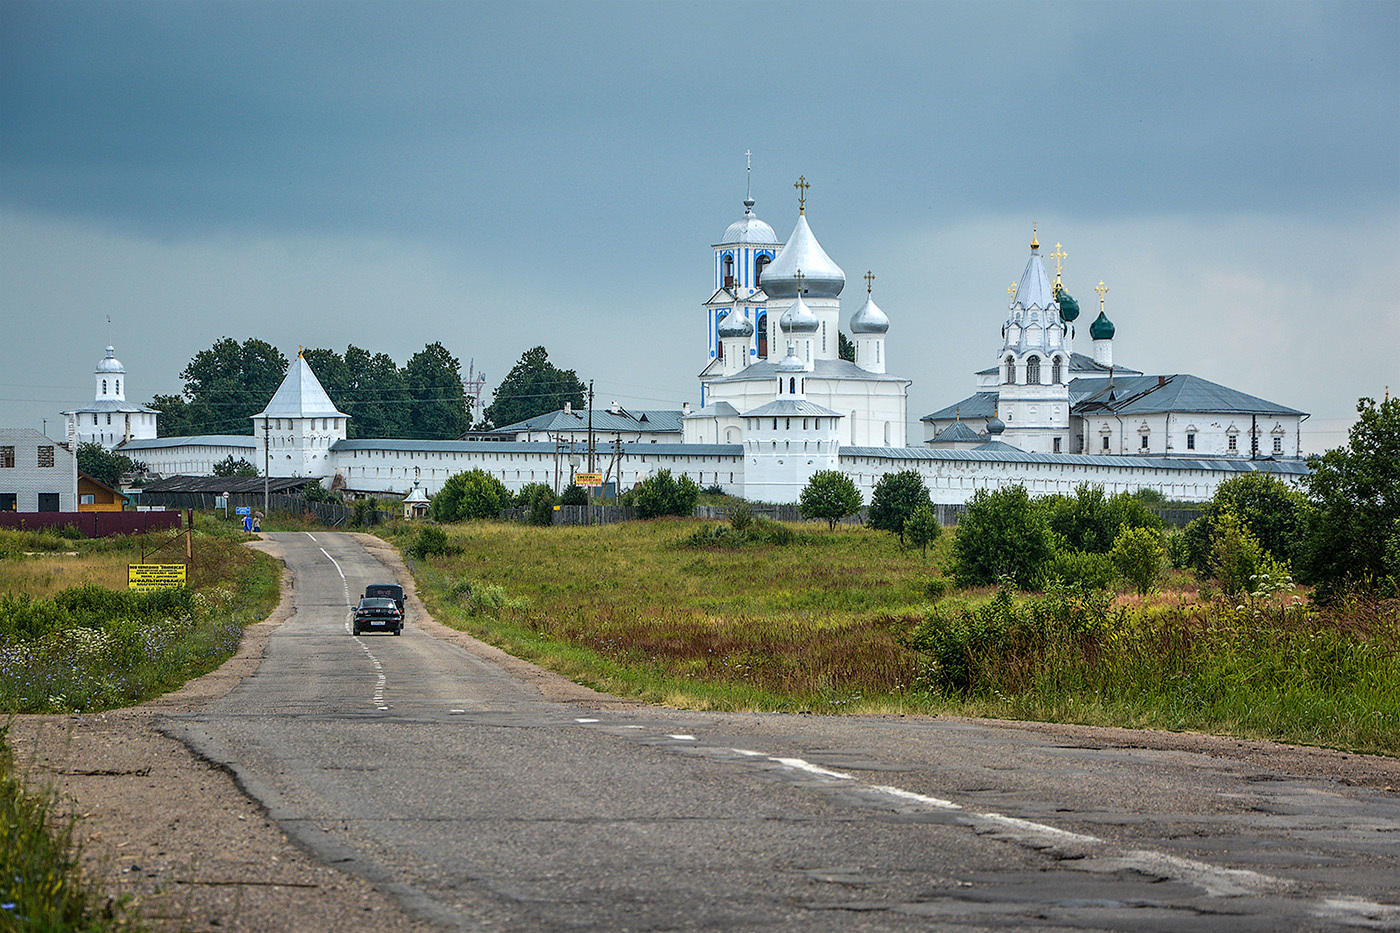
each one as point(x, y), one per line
point(481, 805)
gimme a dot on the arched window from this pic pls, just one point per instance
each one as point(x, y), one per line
point(104, 386)
point(119, 387)
point(792, 385)
point(1033, 371)
point(758, 266)
point(728, 270)
point(1010, 370)
point(761, 331)
point(1056, 372)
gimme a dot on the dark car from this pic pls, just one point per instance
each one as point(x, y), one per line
point(377, 615)
point(386, 591)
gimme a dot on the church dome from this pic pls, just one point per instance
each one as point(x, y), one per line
point(799, 319)
point(735, 324)
point(1102, 328)
point(995, 426)
point(110, 363)
point(869, 319)
point(749, 229)
point(1069, 308)
point(821, 278)
point(791, 363)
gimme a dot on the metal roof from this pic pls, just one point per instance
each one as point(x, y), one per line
point(821, 278)
point(630, 448)
point(195, 440)
point(109, 405)
point(300, 396)
point(821, 369)
point(219, 484)
point(957, 433)
point(981, 405)
point(1079, 363)
point(788, 407)
point(662, 421)
point(1177, 393)
point(716, 410)
point(1013, 455)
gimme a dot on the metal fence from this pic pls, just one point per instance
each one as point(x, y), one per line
point(93, 524)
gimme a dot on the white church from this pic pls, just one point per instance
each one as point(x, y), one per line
point(778, 404)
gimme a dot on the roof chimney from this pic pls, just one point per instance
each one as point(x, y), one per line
point(568, 408)
point(1161, 381)
point(685, 409)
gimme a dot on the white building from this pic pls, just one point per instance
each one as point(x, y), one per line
point(36, 474)
point(110, 419)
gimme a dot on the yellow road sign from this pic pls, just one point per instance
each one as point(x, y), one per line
point(146, 577)
point(588, 479)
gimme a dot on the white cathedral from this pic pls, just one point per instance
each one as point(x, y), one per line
point(778, 404)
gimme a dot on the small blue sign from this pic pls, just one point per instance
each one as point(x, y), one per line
point(243, 510)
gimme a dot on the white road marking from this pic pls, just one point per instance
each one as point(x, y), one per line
point(585, 720)
point(682, 738)
point(349, 627)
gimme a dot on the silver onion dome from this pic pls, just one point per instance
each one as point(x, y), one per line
point(799, 319)
point(110, 363)
point(735, 324)
point(749, 229)
point(821, 278)
point(869, 319)
point(791, 363)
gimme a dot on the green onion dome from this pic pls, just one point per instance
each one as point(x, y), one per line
point(1069, 308)
point(1102, 328)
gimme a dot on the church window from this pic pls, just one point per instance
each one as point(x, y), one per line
point(787, 424)
point(823, 336)
point(119, 387)
point(109, 417)
point(1033, 371)
point(775, 424)
point(1191, 441)
point(1010, 370)
point(761, 330)
point(1143, 444)
point(804, 424)
point(1234, 443)
point(792, 385)
point(758, 266)
point(1057, 445)
point(728, 270)
point(104, 386)
point(1278, 445)
point(1105, 442)
point(1056, 372)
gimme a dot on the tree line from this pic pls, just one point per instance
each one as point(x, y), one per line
point(230, 382)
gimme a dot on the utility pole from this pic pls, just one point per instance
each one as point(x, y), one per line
point(266, 460)
point(590, 426)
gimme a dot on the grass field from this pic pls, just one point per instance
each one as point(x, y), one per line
point(844, 621)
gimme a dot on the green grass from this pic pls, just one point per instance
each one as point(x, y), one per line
point(828, 623)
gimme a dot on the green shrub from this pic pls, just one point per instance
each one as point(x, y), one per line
point(1077, 568)
point(740, 516)
point(937, 587)
point(894, 499)
point(477, 598)
point(756, 532)
point(469, 495)
point(662, 494)
point(829, 496)
point(922, 527)
point(431, 541)
point(574, 494)
point(1137, 553)
point(1002, 534)
point(539, 498)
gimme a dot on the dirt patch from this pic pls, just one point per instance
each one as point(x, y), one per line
point(175, 831)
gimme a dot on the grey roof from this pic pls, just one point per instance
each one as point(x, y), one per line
point(629, 448)
point(789, 407)
point(749, 229)
point(109, 405)
point(195, 440)
point(1034, 289)
point(799, 319)
point(981, 405)
point(716, 410)
point(648, 421)
point(110, 363)
point(821, 278)
point(1079, 363)
point(218, 484)
point(1014, 455)
point(300, 396)
point(957, 433)
point(1177, 393)
point(735, 324)
point(821, 369)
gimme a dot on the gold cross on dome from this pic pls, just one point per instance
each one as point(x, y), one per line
point(1058, 255)
point(1012, 291)
point(801, 186)
point(1102, 289)
point(869, 281)
point(1035, 240)
point(799, 276)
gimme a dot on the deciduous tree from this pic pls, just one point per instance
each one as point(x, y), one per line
point(439, 403)
point(895, 498)
point(534, 387)
point(473, 494)
point(1002, 533)
point(830, 496)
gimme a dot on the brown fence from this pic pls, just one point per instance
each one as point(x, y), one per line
point(93, 524)
point(334, 514)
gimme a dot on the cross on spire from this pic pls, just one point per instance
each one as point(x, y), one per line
point(1035, 240)
point(1059, 255)
point(748, 169)
point(869, 281)
point(1102, 289)
point(799, 276)
point(1012, 292)
point(801, 186)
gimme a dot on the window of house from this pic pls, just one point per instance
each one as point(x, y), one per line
point(46, 459)
point(1143, 445)
point(1033, 371)
point(1010, 370)
point(1234, 442)
point(1191, 442)
point(7, 457)
point(1057, 445)
point(8, 502)
point(87, 498)
point(1278, 445)
point(48, 502)
point(1105, 442)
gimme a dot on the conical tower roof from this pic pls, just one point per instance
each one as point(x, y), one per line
point(821, 278)
point(300, 396)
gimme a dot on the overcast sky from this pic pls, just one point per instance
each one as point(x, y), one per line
point(497, 176)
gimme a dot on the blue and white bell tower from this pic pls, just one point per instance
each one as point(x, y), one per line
point(748, 245)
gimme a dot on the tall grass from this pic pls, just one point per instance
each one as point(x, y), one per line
point(42, 887)
point(844, 621)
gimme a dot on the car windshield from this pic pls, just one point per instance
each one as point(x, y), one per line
point(377, 604)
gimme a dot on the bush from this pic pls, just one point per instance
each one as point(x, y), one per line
point(830, 496)
point(431, 541)
point(474, 494)
point(1237, 560)
point(661, 494)
point(1077, 568)
point(922, 527)
point(740, 516)
point(540, 500)
point(1275, 515)
point(574, 494)
point(1090, 521)
point(936, 588)
point(895, 498)
point(757, 532)
point(1137, 553)
point(1002, 534)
